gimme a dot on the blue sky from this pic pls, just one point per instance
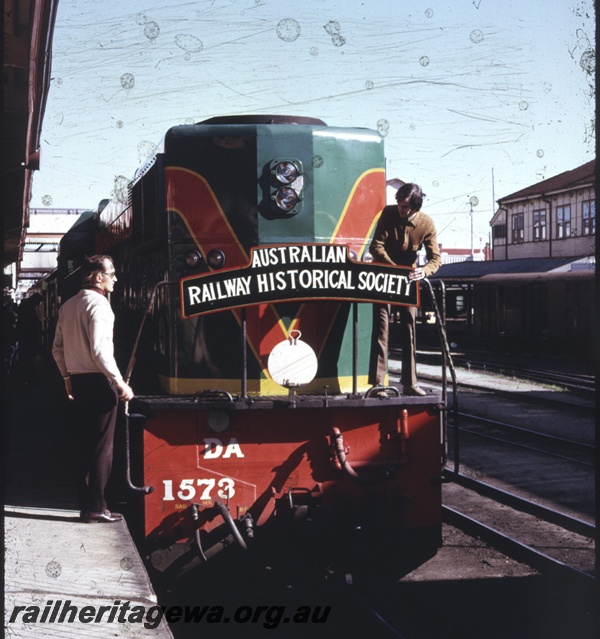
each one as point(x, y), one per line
point(461, 90)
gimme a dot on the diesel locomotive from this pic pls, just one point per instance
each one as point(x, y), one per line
point(243, 317)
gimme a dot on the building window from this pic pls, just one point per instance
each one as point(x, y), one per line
point(589, 217)
point(539, 225)
point(518, 228)
point(563, 221)
point(499, 232)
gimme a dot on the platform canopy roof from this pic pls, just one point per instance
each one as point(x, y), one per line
point(470, 270)
point(27, 55)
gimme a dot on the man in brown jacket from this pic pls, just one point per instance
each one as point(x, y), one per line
point(400, 233)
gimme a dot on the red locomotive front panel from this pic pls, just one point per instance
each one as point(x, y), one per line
point(374, 468)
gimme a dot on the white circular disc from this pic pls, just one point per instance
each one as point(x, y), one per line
point(292, 363)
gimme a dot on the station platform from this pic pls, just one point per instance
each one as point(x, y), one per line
point(62, 577)
point(65, 578)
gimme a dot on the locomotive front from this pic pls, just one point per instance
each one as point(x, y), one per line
point(262, 438)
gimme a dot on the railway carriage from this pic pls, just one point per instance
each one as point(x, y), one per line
point(537, 313)
point(243, 308)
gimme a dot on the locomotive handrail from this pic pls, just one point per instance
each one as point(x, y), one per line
point(139, 489)
point(447, 362)
point(131, 363)
point(244, 345)
point(215, 395)
point(377, 389)
point(143, 489)
point(354, 349)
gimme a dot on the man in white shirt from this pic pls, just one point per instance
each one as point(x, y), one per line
point(84, 353)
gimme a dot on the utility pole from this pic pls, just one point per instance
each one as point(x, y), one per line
point(473, 201)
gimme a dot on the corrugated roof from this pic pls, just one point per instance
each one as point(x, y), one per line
point(28, 33)
point(585, 174)
point(474, 270)
point(516, 278)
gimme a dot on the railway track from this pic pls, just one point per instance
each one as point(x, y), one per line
point(576, 383)
point(531, 465)
point(525, 488)
point(524, 457)
point(580, 384)
point(522, 504)
point(578, 452)
point(526, 493)
point(512, 388)
point(547, 544)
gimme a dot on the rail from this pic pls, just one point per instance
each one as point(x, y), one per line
point(514, 548)
point(550, 515)
point(542, 437)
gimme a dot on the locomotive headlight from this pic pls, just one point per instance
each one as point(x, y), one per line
point(216, 258)
point(284, 185)
point(192, 259)
point(286, 172)
point(286, 198)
